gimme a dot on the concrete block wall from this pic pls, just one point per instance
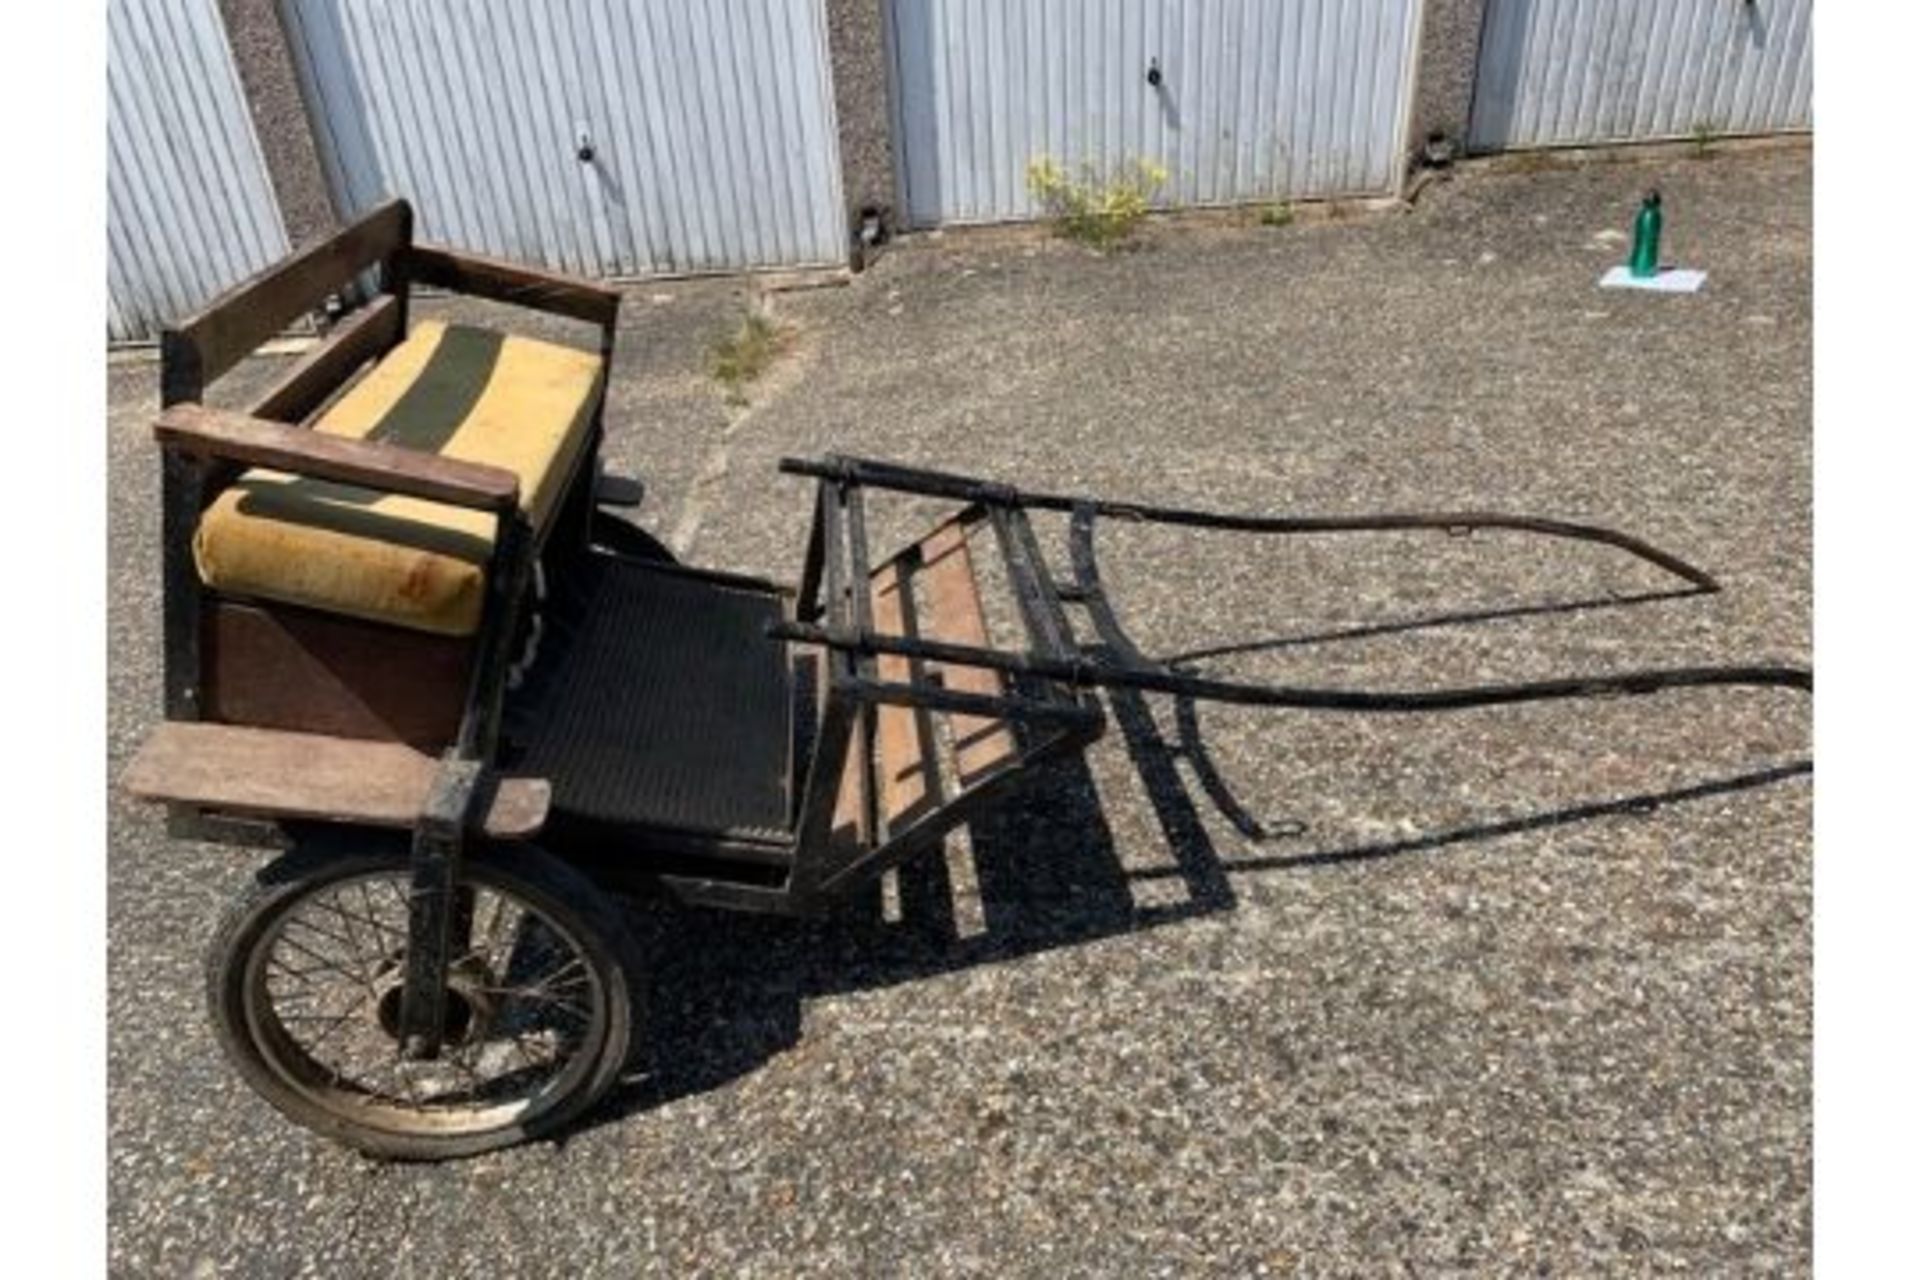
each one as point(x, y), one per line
point(1449, 55)
point(857, 39)
point(280, 118)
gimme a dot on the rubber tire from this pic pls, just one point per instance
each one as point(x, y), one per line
point(625, 538)
point(536, 877)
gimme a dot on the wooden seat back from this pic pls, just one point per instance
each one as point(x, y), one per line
point(205, 345)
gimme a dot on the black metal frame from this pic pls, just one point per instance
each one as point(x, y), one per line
point(1048, 720)
point(1118, 663)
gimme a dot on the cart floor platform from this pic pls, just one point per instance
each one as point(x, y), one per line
point(657, 699)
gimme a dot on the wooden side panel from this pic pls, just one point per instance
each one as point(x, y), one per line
point(285, 668)
point(304, 775)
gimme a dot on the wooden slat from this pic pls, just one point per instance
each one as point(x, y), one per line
point(908, 760)
point(849, 803)
point(273, 774)
point(236, 437)
point(906, 751)
point(514, 282)
point(320, 372)
point(245, 316)
point(955, 615)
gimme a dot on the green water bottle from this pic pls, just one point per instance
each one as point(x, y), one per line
point(1645, 260)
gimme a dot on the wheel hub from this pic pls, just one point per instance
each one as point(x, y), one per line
point(470, 1005)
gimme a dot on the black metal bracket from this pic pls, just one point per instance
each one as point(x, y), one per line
point(438, 914)
point(434, 917)
point(610, 490)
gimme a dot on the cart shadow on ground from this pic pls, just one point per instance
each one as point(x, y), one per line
point(1046, 872)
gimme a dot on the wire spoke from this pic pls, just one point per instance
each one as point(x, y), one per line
point(402, 1071)
point(373, 918)
point(304, 976)
point(551, 1002)
point(351, 943)
point(322, 962)
point(518, 1042)
point(495, 934)
point(336, 904)
point(359, 1003)
point(331, 1019)
point(552, 980)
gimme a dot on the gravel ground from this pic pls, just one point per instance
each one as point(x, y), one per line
point(1308, 995)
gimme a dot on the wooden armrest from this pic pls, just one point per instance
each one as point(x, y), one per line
point(235, 437)
point(513, 282)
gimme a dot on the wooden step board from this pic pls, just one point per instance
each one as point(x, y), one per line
point(274, 774)
point(945, 605)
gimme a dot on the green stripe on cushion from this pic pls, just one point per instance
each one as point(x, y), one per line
point(430, 411)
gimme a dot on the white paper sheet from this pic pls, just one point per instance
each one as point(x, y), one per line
point(1670, 280)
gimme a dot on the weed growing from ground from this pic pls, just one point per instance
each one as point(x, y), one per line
point(1095, 209)
point(742, 356)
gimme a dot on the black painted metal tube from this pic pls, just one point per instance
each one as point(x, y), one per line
point(883, 475)
point(1094, 672)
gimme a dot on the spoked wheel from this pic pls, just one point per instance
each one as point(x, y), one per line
point(305, 980)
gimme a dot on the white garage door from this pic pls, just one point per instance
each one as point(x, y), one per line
point(607, 137)
point(1567, 73)
point(1254, 100)
point(190, 210)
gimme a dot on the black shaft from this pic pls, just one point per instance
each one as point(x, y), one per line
point(1094, 672)
point(885, 475)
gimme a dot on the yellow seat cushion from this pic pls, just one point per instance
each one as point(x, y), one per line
point(455, 390)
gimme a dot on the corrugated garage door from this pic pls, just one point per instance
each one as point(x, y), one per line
point(1256, 100)
point(1579, 72)
point(189, 207)
point(606, 137)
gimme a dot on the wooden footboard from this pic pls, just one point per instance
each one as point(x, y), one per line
point(928, 591)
